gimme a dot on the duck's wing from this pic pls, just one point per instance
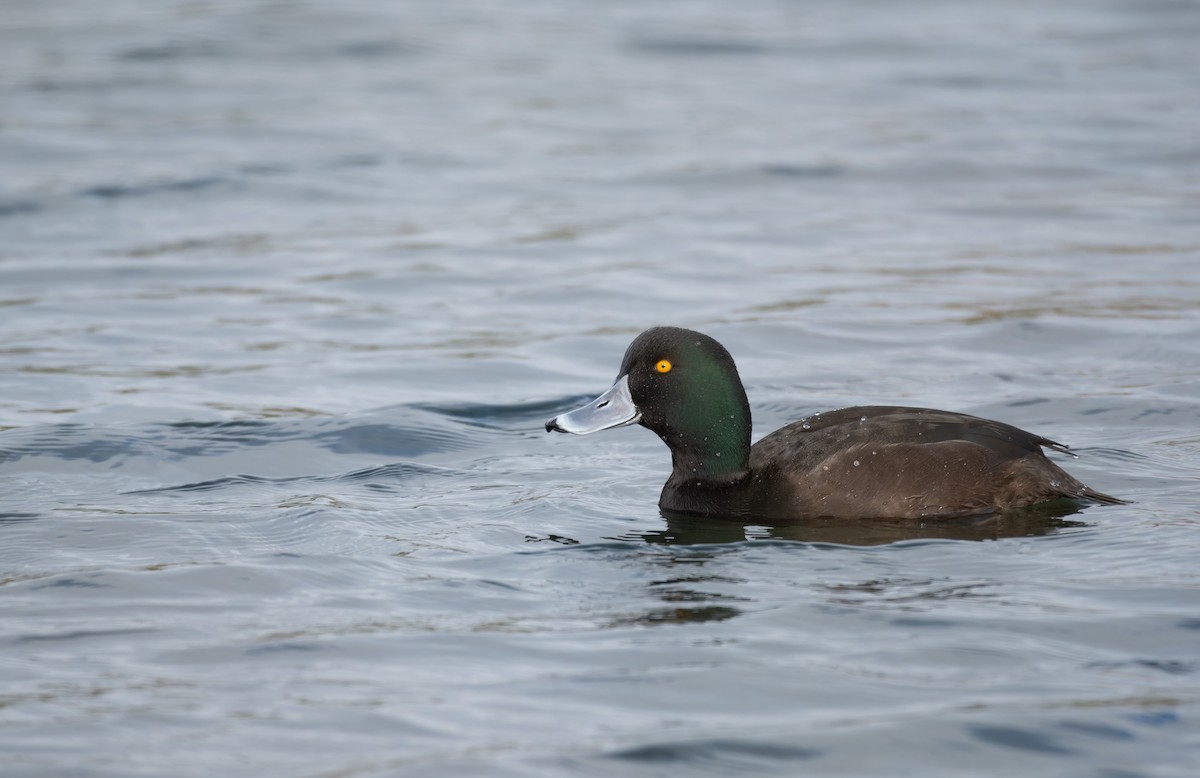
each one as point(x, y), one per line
point(895, 424)
point(898, 461)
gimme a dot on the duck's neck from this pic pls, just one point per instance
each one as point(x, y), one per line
point(715, 445)
point(712, 464)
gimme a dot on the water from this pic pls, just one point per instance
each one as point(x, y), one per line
point(287, 291)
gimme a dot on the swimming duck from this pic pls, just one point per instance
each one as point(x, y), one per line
point(869, 461)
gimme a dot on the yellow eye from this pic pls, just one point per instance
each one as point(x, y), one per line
point(663, 366)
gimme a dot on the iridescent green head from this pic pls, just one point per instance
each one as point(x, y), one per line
point(684, 386)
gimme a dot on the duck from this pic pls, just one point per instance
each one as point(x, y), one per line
point(860, 462)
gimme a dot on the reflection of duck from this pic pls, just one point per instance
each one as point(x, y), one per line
point(1045, 519)
point(851, 463)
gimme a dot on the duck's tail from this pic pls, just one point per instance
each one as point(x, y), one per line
point(1087, 493)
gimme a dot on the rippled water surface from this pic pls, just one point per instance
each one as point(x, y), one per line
point(287, 290)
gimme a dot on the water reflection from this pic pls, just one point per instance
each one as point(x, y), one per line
point(661, 616)
point(688, 599)
point(690, 593)
point(1045, 519)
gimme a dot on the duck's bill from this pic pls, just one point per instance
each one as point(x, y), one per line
point(614, 408)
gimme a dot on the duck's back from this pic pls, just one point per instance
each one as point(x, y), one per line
point(898, 462)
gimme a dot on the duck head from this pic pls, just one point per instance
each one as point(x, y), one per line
point(684, 386)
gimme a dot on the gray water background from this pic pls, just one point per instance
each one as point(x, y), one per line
point(287, 290)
